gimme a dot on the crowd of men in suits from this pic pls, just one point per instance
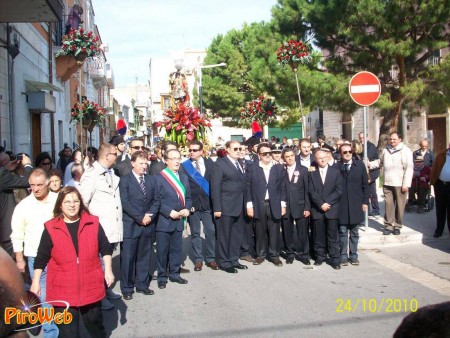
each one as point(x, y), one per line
point(255, 204)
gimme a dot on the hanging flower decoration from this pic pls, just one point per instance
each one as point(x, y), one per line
point(262, 110)
point(293, 52)
point(89, 113)
point(80, 43)
point(184, 124)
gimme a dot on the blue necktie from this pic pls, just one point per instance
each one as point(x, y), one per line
point(142, 185)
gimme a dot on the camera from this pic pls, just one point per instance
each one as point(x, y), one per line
point(19, 157)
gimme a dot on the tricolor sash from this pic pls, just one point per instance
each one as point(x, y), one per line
point(175, 182)
point(198, 178)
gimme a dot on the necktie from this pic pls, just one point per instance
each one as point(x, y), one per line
point(197, 167)
point(142, 185)
point(347, 167)
point(238, 167)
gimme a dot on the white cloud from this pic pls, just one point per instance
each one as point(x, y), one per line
point(137, 30)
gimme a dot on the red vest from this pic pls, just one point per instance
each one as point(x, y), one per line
point(76, 280)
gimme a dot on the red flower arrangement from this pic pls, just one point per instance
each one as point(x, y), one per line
point(293, 52)
point(184, 124)
point(79, 41)
point(262, 110)
point(89, 113)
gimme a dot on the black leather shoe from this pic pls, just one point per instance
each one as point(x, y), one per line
point(305, 261)
point(318, 262)
point(127, 296)
point(289, 260)
point(241, 267)
point(436, 235)
point(183, 270)
point(229, 270)
point(336, 266)
point(396, 232)
point(162, 285)
point(147, 292)
point(178, 280)
point(386, 232)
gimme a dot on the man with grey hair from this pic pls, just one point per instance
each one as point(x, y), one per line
point(76, 171)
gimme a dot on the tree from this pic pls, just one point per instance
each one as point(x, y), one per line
point(391, 38)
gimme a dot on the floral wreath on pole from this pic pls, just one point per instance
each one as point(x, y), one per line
point(292, 53)
point(262, 110)
point(90, 113)
point(80, 44)
point(184, 124)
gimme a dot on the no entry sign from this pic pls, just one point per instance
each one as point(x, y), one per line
point(364, 88)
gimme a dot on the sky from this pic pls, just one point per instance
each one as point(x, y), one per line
point(137, 30)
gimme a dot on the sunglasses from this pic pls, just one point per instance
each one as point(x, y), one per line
point(138, 147)
point(238, 149)
point(347, 152)
point(194, 150)
point(267, 153)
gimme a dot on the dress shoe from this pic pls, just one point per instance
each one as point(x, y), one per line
point(229, 270)
point(110, 294)
point(289, 260)
point(241, 267)
point(213, 265)
point(305, 260)
point(386, 232)
point(353, 261)
point(336, 266)
point(344, 262)
point(198, 266)
point(248, 258)
point(396, 232)
point(437, 235)
point(183, 270)
point(318, 262)
point(147, 292)
point(258, 261)
point(162, 285)
point(178, 280)
point(276, 261)
point(127, 295)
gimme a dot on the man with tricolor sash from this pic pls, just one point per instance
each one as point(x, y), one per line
point(174, 197)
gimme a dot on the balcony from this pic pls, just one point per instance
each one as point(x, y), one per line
point(109, 76)
point(31, 11)
point(96, 70)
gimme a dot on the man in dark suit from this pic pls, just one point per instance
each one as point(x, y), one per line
point(325, 189)
point(352, 205)
point(137, 194)
point(174, 197)
point(374, 173)
point(227, 192)
point(198, 169)
point(123, 164)
point(305, 158)
point(266, 203)
point(157, 167)
point(298, 210)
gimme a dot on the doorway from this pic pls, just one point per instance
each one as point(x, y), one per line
point(439, 127)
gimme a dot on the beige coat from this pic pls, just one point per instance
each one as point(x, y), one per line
point(100, 193)
point(398, 166)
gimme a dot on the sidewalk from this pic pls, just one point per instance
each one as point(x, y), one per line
point(417, 228)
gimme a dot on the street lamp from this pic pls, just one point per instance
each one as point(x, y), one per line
point(200, 87)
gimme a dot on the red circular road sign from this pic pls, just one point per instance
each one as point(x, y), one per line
point(364, 88)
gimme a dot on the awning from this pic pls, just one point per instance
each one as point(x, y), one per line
point(31, 10)
point(35, 86)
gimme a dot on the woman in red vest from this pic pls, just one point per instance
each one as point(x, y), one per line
point(70, 246)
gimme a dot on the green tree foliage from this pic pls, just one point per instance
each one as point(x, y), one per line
point(391, 38)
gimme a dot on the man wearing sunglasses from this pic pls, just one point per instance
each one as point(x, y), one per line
point(227, 192)
point(123, 165)
point(198, 170)
point(266, 203)
point(353, 203)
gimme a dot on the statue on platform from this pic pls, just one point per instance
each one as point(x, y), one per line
point(179, 88)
